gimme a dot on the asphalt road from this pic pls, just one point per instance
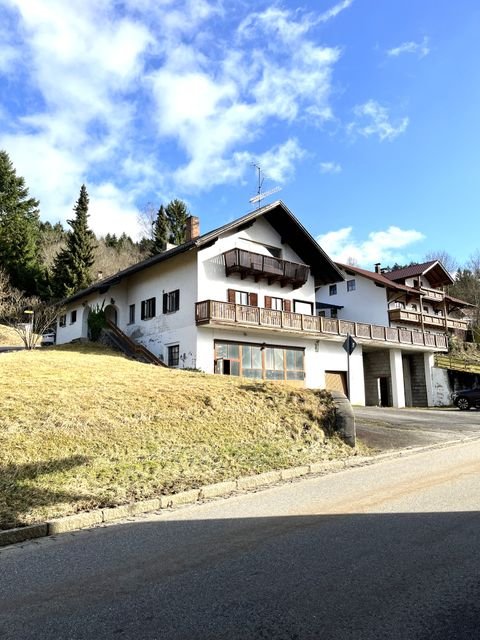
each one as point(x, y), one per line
point(387, 428)
point(390, 550)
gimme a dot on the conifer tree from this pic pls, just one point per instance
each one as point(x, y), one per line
point(71, 269)
point(19, 229)
point(160, 232)
point(177, 214)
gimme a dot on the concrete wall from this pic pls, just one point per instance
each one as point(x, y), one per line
point(376, 364)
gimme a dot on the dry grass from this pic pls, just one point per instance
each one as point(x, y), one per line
point(83, 427)
point(9, 337)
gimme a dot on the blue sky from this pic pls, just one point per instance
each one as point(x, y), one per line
point(365, 112)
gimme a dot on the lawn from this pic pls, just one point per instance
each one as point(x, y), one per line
point(82, 427)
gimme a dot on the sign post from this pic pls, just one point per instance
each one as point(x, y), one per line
point(349, 346)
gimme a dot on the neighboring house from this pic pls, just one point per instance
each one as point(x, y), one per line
point(412, 303)
point(241, 300)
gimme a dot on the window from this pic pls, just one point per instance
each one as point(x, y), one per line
point(171, 301)
point(62, 321)
point(332, 290)
point(351, 285)
point(148, 309)
point(73, 316)
point(242, 297)
point(173, 355)
point(299, 306)
point(414, 307)
point(257, 361)
point(333, 313)
point(131, 314)
point(277, 304)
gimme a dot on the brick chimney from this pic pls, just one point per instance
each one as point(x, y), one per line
point(192, 228)
point(377, 267)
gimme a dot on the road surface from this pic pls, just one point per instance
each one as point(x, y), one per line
point(388, 551)
point(386, 428)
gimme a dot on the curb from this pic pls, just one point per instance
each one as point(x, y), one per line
point(221, 489)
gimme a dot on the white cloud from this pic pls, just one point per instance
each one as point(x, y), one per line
point(422, 49)
point(371, 118)
point(98, 74)
point(387, 247)
point(330, 167)
point(335, 10)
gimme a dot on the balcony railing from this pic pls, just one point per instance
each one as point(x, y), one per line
point(230, 314)
point(259, 266)
point(432, 294)
point(405, 315)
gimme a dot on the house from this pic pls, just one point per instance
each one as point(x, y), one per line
point(243, 300)
point(417, 313)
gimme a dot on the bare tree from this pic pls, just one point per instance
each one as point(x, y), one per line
point(28, 316)
point(146, 219)
point(449, 262)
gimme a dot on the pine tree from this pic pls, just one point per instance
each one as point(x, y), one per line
point(19, 229)
point(160, 230)
point(71, 269)
point(177, 214)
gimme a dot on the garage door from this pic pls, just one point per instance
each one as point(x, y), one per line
point(336, 381)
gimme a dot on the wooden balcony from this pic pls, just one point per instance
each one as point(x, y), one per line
point(405, 315)
point(432, 294)
point(214, 312)
point(259, 266)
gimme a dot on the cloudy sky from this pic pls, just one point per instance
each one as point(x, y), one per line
point(364, 112)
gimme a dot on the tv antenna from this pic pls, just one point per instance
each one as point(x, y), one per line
point(261, 194)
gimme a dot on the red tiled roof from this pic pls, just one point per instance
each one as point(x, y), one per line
point(376, 277)
point(409, 272)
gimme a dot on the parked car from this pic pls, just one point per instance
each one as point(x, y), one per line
point(466, 398)
point(48, 338)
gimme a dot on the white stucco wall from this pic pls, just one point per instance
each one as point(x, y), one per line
point(442, 392)
point(333, 357)
point(213, 284)
point(367, 303)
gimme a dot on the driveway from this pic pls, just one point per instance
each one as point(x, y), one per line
point(385, 428)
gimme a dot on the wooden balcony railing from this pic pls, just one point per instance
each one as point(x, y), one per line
point(229, 314)
point(432, 294)
point(259, 266)
point(406, 315)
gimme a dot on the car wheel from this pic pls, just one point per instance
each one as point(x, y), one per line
point(463, 404)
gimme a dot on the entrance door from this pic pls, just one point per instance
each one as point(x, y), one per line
point(336, 381)
point(383, 395)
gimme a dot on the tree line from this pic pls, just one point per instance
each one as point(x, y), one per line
point(51, 263)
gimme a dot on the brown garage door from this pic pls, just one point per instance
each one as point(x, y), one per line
point(336, 381)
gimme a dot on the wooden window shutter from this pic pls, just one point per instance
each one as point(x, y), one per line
point(142, 314)
point(287, 305)
point(177, 299)
point(253, 299)
point(231, 295)
point(165, 303)
point(268, 302)
point(153, 311)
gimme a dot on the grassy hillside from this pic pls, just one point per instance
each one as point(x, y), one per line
point(9, 337)
point(84, 427)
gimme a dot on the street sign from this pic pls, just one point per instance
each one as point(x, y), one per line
point(349, 345)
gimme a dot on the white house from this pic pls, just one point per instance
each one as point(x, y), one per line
point(241, 300)
point(417, 313)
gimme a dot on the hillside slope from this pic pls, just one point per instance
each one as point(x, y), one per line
point(84, 427)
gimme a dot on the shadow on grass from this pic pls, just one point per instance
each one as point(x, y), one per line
point(19, 494)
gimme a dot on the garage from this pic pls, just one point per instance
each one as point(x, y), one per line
point(336, 381)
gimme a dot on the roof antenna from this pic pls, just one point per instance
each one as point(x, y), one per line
point(261, 195)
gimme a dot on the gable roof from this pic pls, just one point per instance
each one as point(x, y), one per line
point(382, 279)
point(378, 278)
point(277, 215)
point(433, 269)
